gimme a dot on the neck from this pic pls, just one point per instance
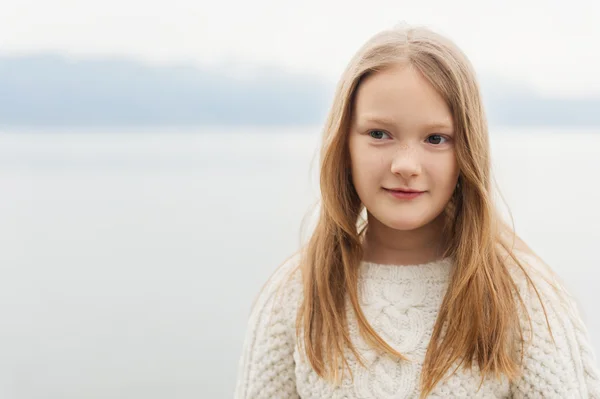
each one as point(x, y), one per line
point(385, 245)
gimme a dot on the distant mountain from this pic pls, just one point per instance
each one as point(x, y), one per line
point(52, 90)
point(509, 103)
point(56, 91)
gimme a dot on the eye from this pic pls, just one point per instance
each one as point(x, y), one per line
point(378, 134)
point(436, 139)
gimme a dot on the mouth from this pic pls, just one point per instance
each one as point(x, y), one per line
point(404, 190)
point(404, 193)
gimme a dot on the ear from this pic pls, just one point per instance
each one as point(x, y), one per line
point(457, 188)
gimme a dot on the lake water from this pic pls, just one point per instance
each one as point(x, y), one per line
point(130, 259)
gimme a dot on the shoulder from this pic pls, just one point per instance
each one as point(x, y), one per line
point(266, 366)
point(282, 290)
point(557, 349)
point(552, 321)
point(538, 284)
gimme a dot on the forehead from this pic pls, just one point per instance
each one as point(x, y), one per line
point(401, 94)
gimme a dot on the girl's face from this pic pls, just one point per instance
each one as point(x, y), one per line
point(402, 138)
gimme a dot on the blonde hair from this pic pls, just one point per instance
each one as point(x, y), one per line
point(478, 319)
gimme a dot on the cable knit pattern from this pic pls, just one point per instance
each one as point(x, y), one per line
point(266, 368)
point(565, 367)
point(402, 303)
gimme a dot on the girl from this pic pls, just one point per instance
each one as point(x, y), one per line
point(411, 285)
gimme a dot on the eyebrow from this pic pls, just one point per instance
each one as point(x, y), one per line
point(377, 120)
point(389, 122)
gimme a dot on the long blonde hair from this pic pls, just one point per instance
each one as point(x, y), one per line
point(478, 319)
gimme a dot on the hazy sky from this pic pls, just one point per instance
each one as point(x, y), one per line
point(553, 45)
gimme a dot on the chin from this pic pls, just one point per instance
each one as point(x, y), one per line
point(404, 225)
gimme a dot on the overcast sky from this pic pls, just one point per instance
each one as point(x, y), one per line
point(552, 45)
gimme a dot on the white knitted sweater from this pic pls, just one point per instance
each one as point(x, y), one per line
point(402, 303)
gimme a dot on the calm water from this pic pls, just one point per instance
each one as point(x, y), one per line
point(129, 260)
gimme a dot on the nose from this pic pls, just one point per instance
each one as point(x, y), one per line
point(405, 162)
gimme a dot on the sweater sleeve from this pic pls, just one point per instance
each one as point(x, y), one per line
point(561, 365)
point(266, 367)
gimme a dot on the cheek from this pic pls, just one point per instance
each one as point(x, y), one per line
point(366, 169)
point(365, 180)
point(444, 171)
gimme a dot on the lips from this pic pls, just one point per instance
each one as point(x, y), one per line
point(404, 195)
point(404, 190)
